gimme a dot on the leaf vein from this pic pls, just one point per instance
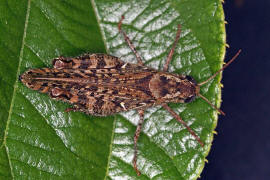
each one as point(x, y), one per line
point(16, 86)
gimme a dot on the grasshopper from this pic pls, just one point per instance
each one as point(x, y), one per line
point(102, 85)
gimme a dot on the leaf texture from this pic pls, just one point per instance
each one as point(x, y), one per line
point(40, 141)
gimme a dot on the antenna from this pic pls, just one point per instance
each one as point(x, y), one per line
point(213, 76)
point(204, 98)
point(226, 65)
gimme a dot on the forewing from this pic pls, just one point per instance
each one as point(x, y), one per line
point(104, 100)
point(101, 91)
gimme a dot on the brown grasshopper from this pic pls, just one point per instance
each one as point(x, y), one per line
point(102, 85)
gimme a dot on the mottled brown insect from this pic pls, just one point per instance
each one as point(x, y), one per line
point(101, 85)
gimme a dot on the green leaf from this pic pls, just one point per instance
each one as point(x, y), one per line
point(39, 140)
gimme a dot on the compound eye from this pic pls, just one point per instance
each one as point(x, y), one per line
point(191, 79)
point(190, 99)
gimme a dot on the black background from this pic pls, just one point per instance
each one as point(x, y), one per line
point(241, 150)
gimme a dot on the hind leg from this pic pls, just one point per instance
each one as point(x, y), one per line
point(136, 137)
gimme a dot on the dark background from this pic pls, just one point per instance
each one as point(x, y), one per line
point(241, 150)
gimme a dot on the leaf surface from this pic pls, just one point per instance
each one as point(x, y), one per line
point(39, 140)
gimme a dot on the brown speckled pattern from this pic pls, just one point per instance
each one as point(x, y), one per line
point(101, 85)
